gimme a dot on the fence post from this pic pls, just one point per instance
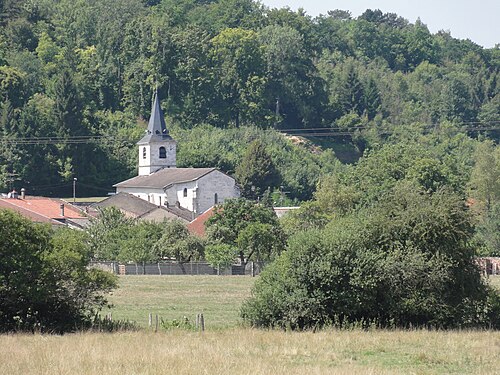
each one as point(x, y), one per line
point(202, 323)
point(156, 324)
point(150, 320)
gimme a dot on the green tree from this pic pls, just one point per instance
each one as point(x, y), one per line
point(45, 284)
point(230, 225)
point(177, 243)
point(238, 68)
point(220, 256)
point(405, 261)
point(485, 178)
point(256, 173)
point(487, 236)
point(137, 244)
point(106, 231)
point(260, 242)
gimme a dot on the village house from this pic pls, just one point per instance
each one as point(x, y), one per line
point(55, 212)
point(137, 208)
point(161, 183)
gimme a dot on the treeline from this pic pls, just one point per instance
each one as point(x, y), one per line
point(88, 68)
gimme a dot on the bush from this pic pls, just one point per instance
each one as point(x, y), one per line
point(404, 262)
point(44, 281)
point(183, 323)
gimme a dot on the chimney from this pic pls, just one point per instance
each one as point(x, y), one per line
point(23, 193)
point(62, 209)
point(13, 194)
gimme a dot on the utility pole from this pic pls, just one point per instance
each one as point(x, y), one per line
point(74, 189)
point(11, 177)
point(277, 113)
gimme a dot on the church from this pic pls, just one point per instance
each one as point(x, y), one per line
point(161, 183)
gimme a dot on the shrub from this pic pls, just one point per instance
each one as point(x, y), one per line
point(404, 262)
point(45, 284)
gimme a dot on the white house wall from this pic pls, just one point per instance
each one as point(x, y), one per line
point(155, 196)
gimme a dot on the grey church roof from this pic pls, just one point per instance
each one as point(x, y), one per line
point(166, 177)
point(157, 129)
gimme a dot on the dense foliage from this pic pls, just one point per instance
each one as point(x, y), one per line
point(249, 227)
point(405, 261)
point(391, 241)
point(116, 237)
point(45, 284)
point(87, 69)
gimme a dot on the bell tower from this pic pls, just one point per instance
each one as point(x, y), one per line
point(157, 149)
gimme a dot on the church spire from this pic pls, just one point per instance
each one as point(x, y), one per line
point(157, 129)
point(157, 150)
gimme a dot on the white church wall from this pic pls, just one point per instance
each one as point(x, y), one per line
point(175, 194)
point(144, 160)
point(152, 161)
point(213, 183)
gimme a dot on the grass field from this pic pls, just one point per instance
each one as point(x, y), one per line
point(218, 297)
point(246, 351)
point(495, 281)
point(238, 350)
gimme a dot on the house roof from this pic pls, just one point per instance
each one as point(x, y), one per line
point(42, 210)
point(142, 209)
point(197, 226)
point(166, 177)
point(129, 203)
point(181, 212)
point(157, 129)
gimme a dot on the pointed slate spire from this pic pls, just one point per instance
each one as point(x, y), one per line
point(157, 129)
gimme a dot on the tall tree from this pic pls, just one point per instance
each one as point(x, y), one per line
point(256, 173)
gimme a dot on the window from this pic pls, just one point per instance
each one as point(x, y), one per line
point(185, 192)
point(163, 153)
point(144, 152)
point(216, 199)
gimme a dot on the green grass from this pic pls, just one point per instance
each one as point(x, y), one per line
point(495, 281)
point(218, 297)
point(85, 199)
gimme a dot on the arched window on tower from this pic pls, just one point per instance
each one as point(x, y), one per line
point(144, 152)
point(163, 153)
point(216, 199)
point(185, 193)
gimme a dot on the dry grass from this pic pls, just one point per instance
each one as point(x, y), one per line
point(239, 350)
point(218, 297)
point(246, 351)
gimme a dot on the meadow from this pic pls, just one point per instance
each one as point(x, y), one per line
point(228, 348)
point(173, 297)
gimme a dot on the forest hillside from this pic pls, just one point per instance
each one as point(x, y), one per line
point(77, 77)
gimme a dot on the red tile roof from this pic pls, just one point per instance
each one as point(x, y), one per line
point(197, 226)
point(40, 209)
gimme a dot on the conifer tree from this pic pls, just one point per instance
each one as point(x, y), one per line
point(257, 172)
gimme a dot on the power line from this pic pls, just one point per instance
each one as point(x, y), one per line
point(312, 132)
